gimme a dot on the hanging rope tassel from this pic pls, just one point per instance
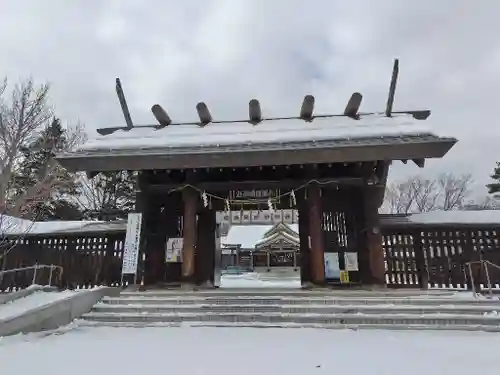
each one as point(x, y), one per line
point(293, 198)
point(204, 197)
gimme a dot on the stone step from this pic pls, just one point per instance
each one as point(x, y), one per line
point(282, 292)
point(284, 318)
point(355, 327)
point(305, 300)
point(296, 308)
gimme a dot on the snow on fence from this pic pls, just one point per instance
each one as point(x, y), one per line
point(419, 252)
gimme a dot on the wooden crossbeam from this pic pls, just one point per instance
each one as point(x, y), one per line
point(203, 113)
point(352, 107)
point(307, 108)
point(254, 111)
point(161, 115)
point(392, 88)
point(123, 104)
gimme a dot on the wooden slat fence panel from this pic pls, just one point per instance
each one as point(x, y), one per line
point(87, 260)
point(436, 256)
point(416, 256)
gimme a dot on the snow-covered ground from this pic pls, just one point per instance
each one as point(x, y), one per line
point(243, 351)
point(34, 300)
point(260, 280)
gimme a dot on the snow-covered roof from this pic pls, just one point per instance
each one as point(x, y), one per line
point(270, 142)
point(276, 237)
point(457, 217)
point(247, 236)
point(10, 224)
point(268, 131)
point(292, 229)
point(14, 226)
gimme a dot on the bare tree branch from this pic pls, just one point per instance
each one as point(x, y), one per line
point(20, 118)
point(454, 190)
point(419, 194)
point(400, 197)
point(425, 193)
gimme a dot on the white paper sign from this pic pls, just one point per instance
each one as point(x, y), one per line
point(132, 242)
point(351, 261)
point(173, 250)
point(332, 267)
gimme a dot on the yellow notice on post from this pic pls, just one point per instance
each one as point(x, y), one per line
point(344, 277)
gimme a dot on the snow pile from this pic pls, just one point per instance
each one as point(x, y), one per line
point(260, 280)
point(247, 351)
point(32, 301)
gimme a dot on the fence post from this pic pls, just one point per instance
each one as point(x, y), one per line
point(422, 271)
point(33, 282)
point(50, 274)
point(488, 280)
point(472, 282)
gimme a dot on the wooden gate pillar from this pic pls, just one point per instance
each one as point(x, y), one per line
point(205, 248)
point(374, 234)
point(305, 253)
point(317, 251)
point(190, 198)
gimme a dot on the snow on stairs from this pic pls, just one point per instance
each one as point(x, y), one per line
point(354, 309)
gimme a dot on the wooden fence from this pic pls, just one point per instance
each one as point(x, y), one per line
point(417, 255)
point(437, 255)
point(87, 260)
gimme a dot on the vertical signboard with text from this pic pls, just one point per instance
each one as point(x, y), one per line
point(132, 243)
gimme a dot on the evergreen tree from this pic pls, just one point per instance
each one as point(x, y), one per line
point(38, 163)
point(494, 187)
point(108, 195)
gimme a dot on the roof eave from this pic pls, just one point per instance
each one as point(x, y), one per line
point(356, 152)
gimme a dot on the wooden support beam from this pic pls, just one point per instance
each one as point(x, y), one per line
point(419, 162)
point(352, 107)
point(307, 108)
point(374, 235)
point(190, 198)
point(382, 172)
point(317, 251)
point(161, 115)
point(392, 88)
point(123, 104)
point(305, 251)
point(205, 247)
point(254, 112)
point(203, 113)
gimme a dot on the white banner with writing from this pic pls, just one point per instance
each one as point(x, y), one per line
point(173, 250)
point(332, 266)
point(351, 261)
point(132, 242)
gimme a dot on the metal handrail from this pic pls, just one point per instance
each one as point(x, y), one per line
point(36, 267)
point(484, 263)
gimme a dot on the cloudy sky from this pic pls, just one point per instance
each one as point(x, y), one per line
point(225, 52)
